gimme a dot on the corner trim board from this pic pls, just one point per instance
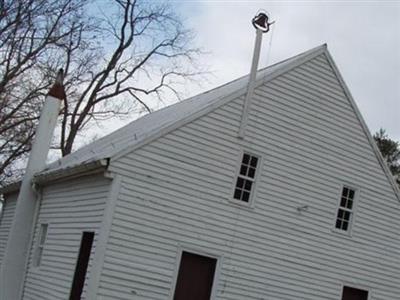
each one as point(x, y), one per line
point(102, 240)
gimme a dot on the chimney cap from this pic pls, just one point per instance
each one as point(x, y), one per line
point(60, 76)
point(57, 90)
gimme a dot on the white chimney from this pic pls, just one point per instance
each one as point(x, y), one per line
point(17, 250)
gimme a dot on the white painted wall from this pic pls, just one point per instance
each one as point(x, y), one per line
point(176, 193)
point(69, 208)
point(6, 217)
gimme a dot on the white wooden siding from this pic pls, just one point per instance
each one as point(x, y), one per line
point(69, 208)
point(6, 218)
point(176, 191)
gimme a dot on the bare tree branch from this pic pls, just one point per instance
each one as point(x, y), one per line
point(126, 57)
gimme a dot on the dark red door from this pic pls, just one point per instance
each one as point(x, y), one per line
point(195, 277)
point(354, 294)
point(81, 265)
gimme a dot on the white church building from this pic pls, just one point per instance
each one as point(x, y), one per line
point(177, 205)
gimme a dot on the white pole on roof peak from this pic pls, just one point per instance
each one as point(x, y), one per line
point(260, 22)
point(17, 250)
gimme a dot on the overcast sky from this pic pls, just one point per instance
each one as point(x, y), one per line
point(362, 36)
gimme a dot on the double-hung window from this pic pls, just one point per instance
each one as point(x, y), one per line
point(345, 211)
point(246, 178)
point(41, 242)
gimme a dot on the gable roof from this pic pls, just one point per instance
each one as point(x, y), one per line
point(143, 129)
point(158, 123)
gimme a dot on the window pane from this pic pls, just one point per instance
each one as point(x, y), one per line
point(240, 182)
point(345, 192)
point(247, 185)
point(347, 215)
point(246, 196)
point(349, 204)
point(343, 202)
point(338, 224)
point(252, 172)
point(237, 194)
point(243, 170)
point(351, 194)
point(246, 159)
point(345, 225)
point(253, 162)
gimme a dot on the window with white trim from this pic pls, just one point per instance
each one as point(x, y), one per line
point(41, 242)
point(346, 209)
point(246, 177)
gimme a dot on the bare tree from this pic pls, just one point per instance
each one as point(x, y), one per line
point(151, 52)
point(118, 58)
point(30, 30)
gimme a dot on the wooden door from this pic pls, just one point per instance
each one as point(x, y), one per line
point(81, 265)
point(354, 294)
point(195, 277)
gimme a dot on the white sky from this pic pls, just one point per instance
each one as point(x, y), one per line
point(362, 36)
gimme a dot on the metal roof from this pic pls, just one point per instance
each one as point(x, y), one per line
point(158, 123)
point(143, 128)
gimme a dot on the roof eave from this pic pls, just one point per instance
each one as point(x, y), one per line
point(47, 177)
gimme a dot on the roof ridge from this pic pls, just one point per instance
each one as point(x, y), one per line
point(169, 107)
point(151, 126)
point(260, 79)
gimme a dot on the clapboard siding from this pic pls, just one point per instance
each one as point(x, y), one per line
point(176, 191)
point(6, 218)
point(69, 208)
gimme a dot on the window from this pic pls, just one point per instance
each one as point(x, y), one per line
point(246, 178)
point(40, 245)
point(345, 210)
point(195, 277)
point(350, 293)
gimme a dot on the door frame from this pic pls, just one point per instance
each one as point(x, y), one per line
point(199, 251)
